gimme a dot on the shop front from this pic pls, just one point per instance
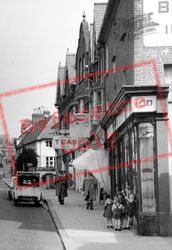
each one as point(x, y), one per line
point(138, 154)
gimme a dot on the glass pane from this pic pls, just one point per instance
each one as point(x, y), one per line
point(146, 136)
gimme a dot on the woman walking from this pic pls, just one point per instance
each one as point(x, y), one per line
point(61, 187)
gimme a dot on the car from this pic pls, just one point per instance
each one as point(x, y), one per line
point(11, 188)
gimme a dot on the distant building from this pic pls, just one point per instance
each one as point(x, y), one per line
point(39, 138)
point(5, 149)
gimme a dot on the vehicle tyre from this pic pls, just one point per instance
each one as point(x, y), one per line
point(9, 196)
point(37, 203)
point(15, 202)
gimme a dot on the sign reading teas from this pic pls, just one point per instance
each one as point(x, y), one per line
point(65, 143)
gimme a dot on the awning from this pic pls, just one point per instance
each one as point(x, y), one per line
point(97, 162)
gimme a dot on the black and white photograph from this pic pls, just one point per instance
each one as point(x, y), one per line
point(85, 124)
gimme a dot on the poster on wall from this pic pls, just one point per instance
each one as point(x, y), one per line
point(157, 23)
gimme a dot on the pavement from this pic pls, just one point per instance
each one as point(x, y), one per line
point(82, 229)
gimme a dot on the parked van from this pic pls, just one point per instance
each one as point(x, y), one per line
point(27, 187)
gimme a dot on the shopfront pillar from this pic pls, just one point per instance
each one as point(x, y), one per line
point(164, 213)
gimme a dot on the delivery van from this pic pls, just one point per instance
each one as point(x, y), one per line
point(27, 187)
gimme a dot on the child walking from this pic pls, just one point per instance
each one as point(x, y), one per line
point(108, 211)
point(117, 209)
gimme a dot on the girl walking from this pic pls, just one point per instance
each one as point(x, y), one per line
point(108, 211)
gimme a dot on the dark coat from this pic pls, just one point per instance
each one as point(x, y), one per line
point(90, 186)
point(61, 187)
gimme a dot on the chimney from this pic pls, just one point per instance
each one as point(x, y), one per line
point(36, 117)
point(38, 114)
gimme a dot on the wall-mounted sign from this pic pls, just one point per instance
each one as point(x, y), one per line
point(65, 143)
point(143, 104)
point(80, 126)
point(157, 30)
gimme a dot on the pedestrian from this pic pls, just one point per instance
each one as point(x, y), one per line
point(61, 187)
point(117, 209)
point(89, 188)
point(65, 183)
point(130, 198)
point(108, 211)
point(125, 210)
point(70, 182)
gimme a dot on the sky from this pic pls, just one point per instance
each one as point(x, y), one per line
point(35, 35)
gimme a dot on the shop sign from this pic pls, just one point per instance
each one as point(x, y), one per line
point(80, 126)
point(143, 104)
point(159, 12)
point(65, 143)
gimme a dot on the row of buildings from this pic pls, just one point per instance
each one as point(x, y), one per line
point(113, 98)
point(114, 104)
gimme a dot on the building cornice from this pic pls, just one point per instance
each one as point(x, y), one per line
point(127, 92)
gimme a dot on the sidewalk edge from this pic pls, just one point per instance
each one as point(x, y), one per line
point(56, 220)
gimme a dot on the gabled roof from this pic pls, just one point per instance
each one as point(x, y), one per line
point(40, 130)
point(99, 12)
point(48, 132)
point(84, 30)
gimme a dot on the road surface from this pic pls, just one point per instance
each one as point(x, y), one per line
point(25, 226)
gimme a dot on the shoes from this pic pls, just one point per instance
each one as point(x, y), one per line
point(123, 227)
point(116, 229)
point(127, 227)
point(119, 229)
point(111, 226)
point(91, 208)
point(107, 226)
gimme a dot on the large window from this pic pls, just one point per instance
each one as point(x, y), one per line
point(49, 144)
point(50, 162)
point(126, 173)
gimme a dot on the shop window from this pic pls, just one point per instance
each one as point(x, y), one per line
point(146, 148)
point(125, 156)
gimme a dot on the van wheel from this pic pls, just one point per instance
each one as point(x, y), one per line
point(9, 196)
point(37, 203)
point(15, 202)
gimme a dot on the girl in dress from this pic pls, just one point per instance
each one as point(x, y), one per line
point(108, 211)
point(117, 209)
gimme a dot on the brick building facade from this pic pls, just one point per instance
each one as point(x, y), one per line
point(123, 78)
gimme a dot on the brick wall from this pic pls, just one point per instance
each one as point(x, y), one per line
point(131, 50)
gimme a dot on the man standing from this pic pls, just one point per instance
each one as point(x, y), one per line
point(89, 187)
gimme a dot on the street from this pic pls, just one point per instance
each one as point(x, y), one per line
point(25, 226)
